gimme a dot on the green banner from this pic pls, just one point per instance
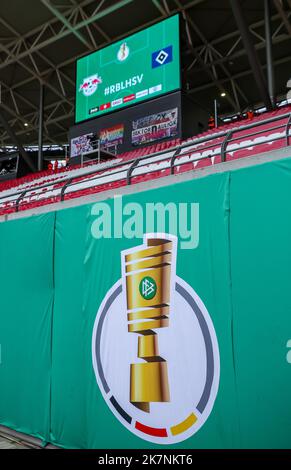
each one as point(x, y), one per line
point(26, 292)
point(261, 272)
point(157, 319)
point(85, 270)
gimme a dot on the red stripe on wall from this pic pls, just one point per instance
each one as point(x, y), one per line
point(151, 431)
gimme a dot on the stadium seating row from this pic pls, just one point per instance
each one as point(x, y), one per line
point(266, 132)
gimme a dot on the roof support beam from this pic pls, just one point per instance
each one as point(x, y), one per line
point(251, 52)
point(40, 127)
point(245, 73)
point(34, 74)
point(64, 20)
point(40, 54)
point(166, 6)
point(31, 118)
point(4, 123)
point(36, 47)
point(230, 56)
point(159, 7)
point(211, 74)
point(209, 50)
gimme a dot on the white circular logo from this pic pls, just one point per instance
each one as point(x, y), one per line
point(90, 85)
point(186, 353)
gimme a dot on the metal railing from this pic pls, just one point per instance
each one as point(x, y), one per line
point(99, 149)
point(126, 168)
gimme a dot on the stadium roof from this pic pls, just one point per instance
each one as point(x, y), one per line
point(41, 40)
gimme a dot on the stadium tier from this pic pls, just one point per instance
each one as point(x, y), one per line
point(145, 226)
point(266, 132)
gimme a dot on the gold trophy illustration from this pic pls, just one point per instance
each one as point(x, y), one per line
point(148, 288)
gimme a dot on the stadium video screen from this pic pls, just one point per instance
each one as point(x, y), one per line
point(138, 68)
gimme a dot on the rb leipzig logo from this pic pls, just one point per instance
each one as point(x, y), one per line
point(90, 85)
point(154, 348)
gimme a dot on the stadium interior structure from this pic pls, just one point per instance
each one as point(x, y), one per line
point(224, 115)
point(38, 90)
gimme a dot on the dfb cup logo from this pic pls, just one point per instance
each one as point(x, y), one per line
point(160, 382)
point(90, 85)
point(123, 52)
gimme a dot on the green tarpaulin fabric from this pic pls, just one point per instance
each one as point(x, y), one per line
point(261, 298)
point(86, 269)
point(55, 275)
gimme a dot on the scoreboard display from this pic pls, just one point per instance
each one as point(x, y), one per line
point(137, 68)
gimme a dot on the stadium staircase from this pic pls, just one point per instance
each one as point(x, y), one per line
point(266, 132)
